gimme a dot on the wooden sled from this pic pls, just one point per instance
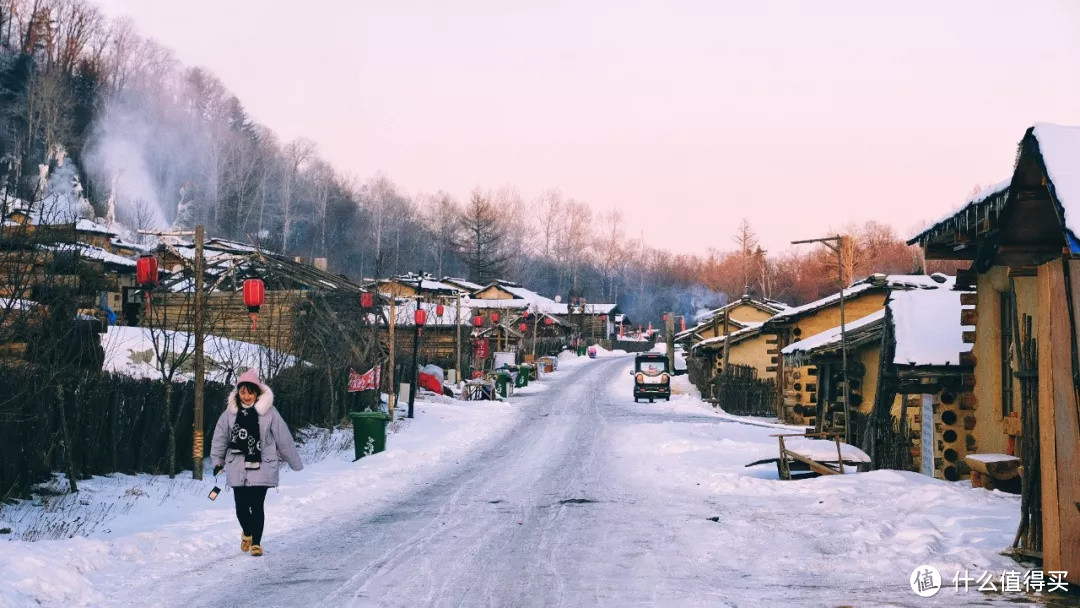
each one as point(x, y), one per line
point(801, 464)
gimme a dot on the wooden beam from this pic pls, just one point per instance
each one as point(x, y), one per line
point(969, 316)
point(1051, 520)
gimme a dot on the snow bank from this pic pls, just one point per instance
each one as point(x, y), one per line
point(834, 540)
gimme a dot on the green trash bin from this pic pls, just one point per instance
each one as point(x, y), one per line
point(522, 378)
point(502, 384)
point(369, 432)
point(528, 372)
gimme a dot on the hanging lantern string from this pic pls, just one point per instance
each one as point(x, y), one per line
point(147, 294)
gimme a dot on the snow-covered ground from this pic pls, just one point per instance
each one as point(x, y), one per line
point(130, 351)
point(122, 523)
point(567, 494)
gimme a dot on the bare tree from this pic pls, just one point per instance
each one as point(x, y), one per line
point(297, 152)
point(443, 216)
point(746, 243)
point(611, 249)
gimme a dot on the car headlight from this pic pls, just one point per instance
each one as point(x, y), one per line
point(665, 378)
point(641, 378)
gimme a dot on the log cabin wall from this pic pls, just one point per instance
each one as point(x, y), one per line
point(227, 316)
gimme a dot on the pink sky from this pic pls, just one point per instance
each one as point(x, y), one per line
point(799, 116)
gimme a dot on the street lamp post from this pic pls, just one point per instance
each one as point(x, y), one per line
point(418, 319)
point(836, 244)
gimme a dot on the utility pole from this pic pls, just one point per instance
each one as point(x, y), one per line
point(836, 244)
point(197, 445)
point(200, 358)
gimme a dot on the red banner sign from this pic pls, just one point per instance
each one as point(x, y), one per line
point(481, 349)
point(365, 381)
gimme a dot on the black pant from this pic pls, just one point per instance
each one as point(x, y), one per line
point(249, 510)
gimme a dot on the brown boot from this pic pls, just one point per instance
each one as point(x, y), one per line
point(245, 543)
point(256, 550)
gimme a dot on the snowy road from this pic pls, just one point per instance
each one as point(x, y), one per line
point(591, 500)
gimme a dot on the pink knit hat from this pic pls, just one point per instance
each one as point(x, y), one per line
point(249, 376)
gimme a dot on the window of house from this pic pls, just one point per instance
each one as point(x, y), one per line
point(1008, 330)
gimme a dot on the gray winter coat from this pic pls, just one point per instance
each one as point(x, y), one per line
point(277, 444)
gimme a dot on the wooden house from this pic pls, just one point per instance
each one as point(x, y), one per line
point(905, 379)
point(302, 303)
point(739, 324)
point(797, 386)
point(425, 287)
point(1025, 268)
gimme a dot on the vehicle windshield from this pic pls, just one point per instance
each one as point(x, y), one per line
point(652, 367)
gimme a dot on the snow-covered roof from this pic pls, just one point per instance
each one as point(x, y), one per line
point(85, 225)
point(466, 285)
point(889, 282)
point(927, 325)
point(1060, 149)
point(751, 329)
point(91, 252)
point(831, 337)
point(959, 215)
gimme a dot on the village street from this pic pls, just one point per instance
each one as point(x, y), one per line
point(591, 500)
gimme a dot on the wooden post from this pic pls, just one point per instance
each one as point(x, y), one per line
point(392, 393)
point(1058, 420)
point(928, 440)
point(200, 361)
point(839, 454)
point(536, 325)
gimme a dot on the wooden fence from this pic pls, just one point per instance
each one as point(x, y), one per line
point(741, 392)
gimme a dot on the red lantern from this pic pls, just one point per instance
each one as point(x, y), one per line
point(439, 310)
point(420, 316)
point(523, 327)
point(367, 299)
point(525, 315)
point(663, 317)
point(146, 271)
point(494, 317)
point(254, 295)
point(547, 320)
point(603, 318)
point(478, 321)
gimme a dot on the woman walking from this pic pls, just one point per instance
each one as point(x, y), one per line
point(250, 440)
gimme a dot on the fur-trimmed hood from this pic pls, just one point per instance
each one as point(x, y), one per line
point(262, 404)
